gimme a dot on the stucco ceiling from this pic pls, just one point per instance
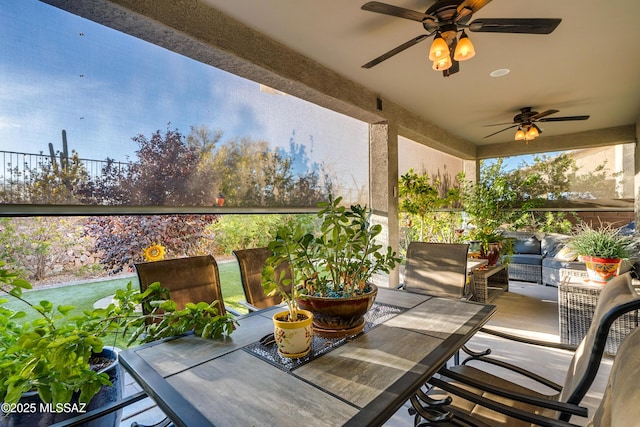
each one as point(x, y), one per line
point(590, 65)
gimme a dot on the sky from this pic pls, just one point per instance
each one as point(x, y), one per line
point(59, 71)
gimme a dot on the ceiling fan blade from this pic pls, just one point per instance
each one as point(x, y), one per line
point(473, 5)
point(495, 133)
point(543, 114)
point(498, 124)
point(400, 12)
point(395, 51)
point(563, 119)
point(515, 25)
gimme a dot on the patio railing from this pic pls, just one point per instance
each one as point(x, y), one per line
point(18, 170)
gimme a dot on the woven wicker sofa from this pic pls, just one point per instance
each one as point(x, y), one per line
point(534, 259)
point(538, 258)
point(525, 263)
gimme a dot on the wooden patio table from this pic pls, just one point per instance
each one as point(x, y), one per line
point(359, 381)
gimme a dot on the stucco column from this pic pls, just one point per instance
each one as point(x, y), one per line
point(383, 187)
point(636, 186)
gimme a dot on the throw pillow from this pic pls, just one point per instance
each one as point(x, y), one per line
point(566, 254)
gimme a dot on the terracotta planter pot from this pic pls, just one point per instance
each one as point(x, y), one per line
point(492, 254)
point(293, 338)
point(339, 317)
point(601, 270)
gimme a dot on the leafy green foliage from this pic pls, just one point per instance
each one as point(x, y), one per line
point(52, 353)
point(421, 200)
point(289, 253)
point(493, 201)
point(57, 183)
point(193, 172)
point(232, 232)
point(34, 245)
point(341, 257)
point(250, 173)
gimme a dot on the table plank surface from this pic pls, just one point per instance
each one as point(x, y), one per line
point(363, 382)
point(242, 390)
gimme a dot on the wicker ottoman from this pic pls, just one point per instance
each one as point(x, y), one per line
point(576, 304)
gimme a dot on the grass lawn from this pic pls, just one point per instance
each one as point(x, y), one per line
point(84, 295)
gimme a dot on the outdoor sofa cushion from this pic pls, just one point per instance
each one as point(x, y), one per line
point(530, 245)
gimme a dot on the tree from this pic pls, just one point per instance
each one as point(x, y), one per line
point(121, 239)
point(252, 174)
point(420, 199)
point(169, 171)
point(547, 178)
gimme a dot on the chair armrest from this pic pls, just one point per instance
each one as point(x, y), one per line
point(482, 356)
point(514, 368)
point(248, 306)
point(236, 313)
point(525, 340)
point(510, 411)
point(499, 391)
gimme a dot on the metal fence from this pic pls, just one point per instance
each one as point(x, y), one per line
point(18, 170)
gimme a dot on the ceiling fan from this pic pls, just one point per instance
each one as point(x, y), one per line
point(444, 19)
point(526, 121)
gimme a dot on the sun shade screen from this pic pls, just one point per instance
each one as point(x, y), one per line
point(130, 109)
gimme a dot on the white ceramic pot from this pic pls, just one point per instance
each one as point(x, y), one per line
point(293, 338)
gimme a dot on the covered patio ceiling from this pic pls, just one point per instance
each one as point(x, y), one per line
point(587, 66)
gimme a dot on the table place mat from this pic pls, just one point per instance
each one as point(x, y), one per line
point(378, 314)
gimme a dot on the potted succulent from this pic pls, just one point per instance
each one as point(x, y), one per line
point(602, 250)
point(332, 269)
point(57, 366)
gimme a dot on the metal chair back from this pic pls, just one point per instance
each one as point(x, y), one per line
point(617, 298)
point(251, 263)
point(190, 279)
point(438, 269)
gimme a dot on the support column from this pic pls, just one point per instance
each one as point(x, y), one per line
point(636, 186)
point(383, 188)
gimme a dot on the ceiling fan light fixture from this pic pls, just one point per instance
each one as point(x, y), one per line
point(520, 135)
point(532, 133)
point(464, 48)
point(439, 48)
point(442, 64)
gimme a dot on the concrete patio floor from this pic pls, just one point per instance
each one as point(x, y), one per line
point(527, 309)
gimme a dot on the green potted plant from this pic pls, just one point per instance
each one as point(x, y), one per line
point(602, 250)
point(48, 365)
point(331, 270)
point(292, 327)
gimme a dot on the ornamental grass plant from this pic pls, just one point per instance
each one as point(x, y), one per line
point(602, 242)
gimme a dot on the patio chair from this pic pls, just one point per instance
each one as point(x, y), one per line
point(498, 401)
point(619, 406)
point(190, 279)
point(251, 262)
point(438, 269)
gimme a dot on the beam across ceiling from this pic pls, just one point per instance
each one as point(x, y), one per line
point(588, 139)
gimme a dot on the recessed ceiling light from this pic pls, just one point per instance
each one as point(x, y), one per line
point(499, 73)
